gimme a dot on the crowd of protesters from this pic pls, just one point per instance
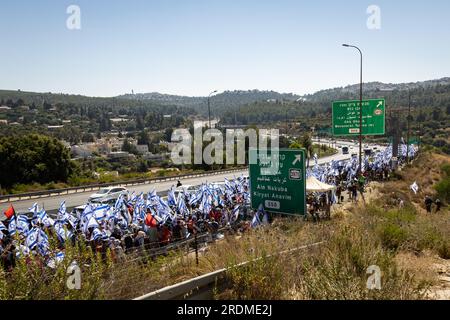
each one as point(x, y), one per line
point(134, 223)
point(346, 177)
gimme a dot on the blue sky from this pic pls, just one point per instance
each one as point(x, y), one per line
point(192, 47)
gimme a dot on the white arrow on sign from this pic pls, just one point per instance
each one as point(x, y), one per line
point(380, 104)
point(298, 158)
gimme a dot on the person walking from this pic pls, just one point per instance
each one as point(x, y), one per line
point(438, 205)
point(428, 204)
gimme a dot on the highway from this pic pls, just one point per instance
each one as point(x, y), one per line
point(77, 199)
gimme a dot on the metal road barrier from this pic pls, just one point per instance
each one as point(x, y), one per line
point(202, 287)
point(95, 187)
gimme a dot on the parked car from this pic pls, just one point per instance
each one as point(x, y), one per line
point(105, 194)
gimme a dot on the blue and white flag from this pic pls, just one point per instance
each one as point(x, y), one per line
point(171, 197)
point(100, 213)
point(12, 227)
point(92, 223)
point(236, 213)
point(62, 208)
point(45, 219)
point(22, 224)
point(255, 221)
point(97, 234)
point(62, 232)
point(34, 209)
point(414, 187)
point(181, 206)
point(32, 238)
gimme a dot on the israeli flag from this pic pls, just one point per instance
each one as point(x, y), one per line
point(32, 238)
point(236, 212)
point(171, 197)
point(62, 208)
point(100, 213)
point(34, 209)
point(45, 219)
point(181, 205)
point(119, 203)
point(255, 221)
point(414, 187)
point(88, 210)
point(228, 186)
point(62, 232)
point(12, 227)
point(2, 227)
point(97, 234)
point(196, 198)
point(60, 256)
point(22, 224)
point(92, 223)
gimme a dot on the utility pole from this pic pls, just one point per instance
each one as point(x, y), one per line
point(409, 126)
point(286, 123)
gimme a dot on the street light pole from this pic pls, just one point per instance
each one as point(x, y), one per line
point(209, 108)
point(360, 105)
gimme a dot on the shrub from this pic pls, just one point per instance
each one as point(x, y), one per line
point(443, 189)
point(392, 236)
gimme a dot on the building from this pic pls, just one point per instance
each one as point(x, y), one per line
point(142, 148)
point(80, 151)
point(156, 157)
point(120, 155)
point(54, 127)
point(4, 108)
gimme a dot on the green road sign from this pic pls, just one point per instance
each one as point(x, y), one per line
point(346, 117)
point(278, 182)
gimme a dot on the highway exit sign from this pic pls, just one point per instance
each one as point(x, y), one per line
point(346, 117)
point(282, 190)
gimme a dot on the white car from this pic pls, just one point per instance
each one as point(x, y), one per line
point(106, 194)
point(185, 188)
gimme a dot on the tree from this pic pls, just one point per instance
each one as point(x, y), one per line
point(284, 142)
point(142, 166)
point(421, 117)
point(436, 114)
point(128, 147)
point(33, 158)
point(168, 134)
point(307, 144)
point(143, 138)
point(88, 137)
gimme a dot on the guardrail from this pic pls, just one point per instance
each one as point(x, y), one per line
point(94, 187)
point(202, 287)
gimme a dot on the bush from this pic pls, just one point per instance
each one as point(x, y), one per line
point(392, 236)
point(443, 187)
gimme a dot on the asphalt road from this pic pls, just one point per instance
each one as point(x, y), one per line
point(77, 199)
